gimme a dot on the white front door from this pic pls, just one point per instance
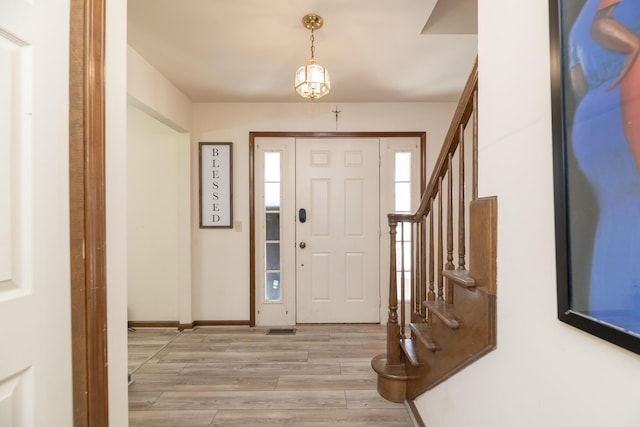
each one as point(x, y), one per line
point(337, 230)
point(35, 360)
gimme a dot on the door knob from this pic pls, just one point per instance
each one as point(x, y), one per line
point(302, 245)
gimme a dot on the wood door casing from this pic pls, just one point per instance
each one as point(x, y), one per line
point(87, 212)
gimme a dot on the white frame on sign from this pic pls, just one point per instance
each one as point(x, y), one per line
point(216, 177)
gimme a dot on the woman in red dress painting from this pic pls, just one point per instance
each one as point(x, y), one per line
point(615, 36)
point(605, 72)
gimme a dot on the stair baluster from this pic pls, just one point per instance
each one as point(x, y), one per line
point(440, 244)
point(402, 280)
point(474, 145)
point(449, 266)
point(461, 201)
point(432, 295)
point(422, 265)
point(393, 328)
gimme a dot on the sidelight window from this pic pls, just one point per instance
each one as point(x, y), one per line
point(272, 208)
point(402, 204)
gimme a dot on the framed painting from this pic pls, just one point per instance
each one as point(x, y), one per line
point(216, 201)
point(595, 92)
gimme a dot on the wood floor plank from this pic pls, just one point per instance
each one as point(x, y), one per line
point(234, 357)
point(318, 418)
point(356, 367)
point(162, 368)
point(195, 346)
point(139, 400)
point(145, 347)
point(202, 383)
point(328, 382)
point(361, 399)
point(243, 400)
point(240, 376)
point(346, 354)
point(245, 346)
point(260, 368)
point(274, 339)
point(171, 418)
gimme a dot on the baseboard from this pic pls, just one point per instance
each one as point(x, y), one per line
point(152, 324)
point(221, 323)
point(182, 326)
point(413, 413)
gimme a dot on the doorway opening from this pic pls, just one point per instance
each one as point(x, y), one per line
point(318, 226)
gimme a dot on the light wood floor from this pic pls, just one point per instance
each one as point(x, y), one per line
point(239, 376)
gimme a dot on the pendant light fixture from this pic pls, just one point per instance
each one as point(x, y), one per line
point(312, 80)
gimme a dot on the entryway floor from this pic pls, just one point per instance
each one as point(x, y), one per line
point(240, 376)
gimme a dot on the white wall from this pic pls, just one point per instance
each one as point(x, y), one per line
point(153, 93)
point(544, 373)
point(220, 257)
point(152, 218)
point(164, 112)
point(116, 207)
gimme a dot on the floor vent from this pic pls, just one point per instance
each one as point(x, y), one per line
point(281, 332)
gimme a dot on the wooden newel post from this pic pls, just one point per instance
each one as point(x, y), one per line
point(393, 328)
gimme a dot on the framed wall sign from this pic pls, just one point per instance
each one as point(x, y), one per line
point(216, 202)
point(595, 92)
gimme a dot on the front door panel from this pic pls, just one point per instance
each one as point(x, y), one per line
point(337, 255)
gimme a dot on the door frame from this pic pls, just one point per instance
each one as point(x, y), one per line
point(252, 183)
point(87, 212)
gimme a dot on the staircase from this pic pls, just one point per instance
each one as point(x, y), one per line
point(442, 316)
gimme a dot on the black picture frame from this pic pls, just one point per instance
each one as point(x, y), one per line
point(575, 197)
point(215, 163)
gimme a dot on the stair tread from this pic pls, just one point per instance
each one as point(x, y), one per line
point(409, 349)
point(444, 311)
point(422, 332)
point(393, 372)
point(460, 277)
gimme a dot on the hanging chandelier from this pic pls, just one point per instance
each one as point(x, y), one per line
point(312, 80)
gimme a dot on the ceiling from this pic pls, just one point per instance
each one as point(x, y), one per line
point(249, 50)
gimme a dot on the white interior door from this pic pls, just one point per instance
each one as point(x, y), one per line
point(337, 255)
point(35, 360)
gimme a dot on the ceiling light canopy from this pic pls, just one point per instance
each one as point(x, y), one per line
point(312, 80)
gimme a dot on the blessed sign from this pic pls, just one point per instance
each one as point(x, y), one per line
point(215, 185)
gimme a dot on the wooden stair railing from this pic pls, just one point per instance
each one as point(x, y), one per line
point(452, 309)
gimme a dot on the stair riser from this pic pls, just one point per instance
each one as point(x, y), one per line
point(392, 390)
point(475, 337)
